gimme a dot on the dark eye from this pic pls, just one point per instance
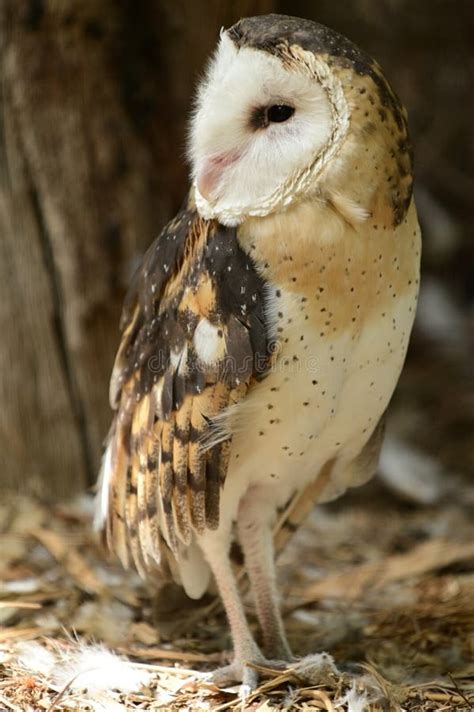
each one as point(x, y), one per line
point(279, 113)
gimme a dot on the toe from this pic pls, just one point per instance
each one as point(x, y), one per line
point(243, 671)
point(240, 670)
point(249, 681)
point(235, 673)
point(227, 675)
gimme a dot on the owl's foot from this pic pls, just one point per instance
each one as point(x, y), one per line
point(315, 669)
point(241, 670)
point(236, 672)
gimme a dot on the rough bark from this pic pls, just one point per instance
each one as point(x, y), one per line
point(94, 98)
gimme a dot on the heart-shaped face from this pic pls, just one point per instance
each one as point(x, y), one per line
point(259, 124)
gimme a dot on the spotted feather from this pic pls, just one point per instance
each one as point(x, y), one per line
point(193, 339)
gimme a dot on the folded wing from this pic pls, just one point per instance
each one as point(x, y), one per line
point(194, 339)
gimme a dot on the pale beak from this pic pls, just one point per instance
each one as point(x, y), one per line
point(211, 171)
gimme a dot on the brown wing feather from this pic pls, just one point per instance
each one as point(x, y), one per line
point(180, 469)
point(164, 484)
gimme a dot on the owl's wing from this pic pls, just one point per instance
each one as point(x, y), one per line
point(194, 338)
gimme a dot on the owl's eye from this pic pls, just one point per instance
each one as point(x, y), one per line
point(262, 116)
point(280, 112)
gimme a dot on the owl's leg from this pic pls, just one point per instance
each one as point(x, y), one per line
point(255, 514)
point(245, 648)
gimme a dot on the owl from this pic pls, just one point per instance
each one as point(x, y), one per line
point(265, 330)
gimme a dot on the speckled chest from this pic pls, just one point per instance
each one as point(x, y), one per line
point(322, 398)
point(342, 323)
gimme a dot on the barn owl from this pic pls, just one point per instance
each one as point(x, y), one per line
point(265, 331)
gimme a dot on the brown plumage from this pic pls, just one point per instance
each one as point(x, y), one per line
point(166, 398)
point(264, 333)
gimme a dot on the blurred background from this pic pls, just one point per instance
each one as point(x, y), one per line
point(94, 98)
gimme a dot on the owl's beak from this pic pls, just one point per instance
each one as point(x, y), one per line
point(211, 171)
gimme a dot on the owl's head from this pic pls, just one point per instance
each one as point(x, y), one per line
point(280, 113)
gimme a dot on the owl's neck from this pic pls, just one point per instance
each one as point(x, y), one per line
point(287, 247)
point(314, 252)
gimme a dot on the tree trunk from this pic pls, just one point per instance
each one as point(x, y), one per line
point(94, 99)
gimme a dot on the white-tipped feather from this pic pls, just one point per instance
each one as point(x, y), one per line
point(352, 212)
point(208, 342)
point(194, 571)
point(103, 485)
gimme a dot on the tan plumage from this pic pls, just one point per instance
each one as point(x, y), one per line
point(265, 331)
point(164, 483)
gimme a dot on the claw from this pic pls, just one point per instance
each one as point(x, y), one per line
point(245, 691)
point(239, 671)
point(234, 673)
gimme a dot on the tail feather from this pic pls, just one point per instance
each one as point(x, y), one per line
point(180, 469)
point(117, 530)
point(197, 473)
point(167, 484)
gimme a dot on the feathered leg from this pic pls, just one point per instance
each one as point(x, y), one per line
point(255, 535)
point(245, 648)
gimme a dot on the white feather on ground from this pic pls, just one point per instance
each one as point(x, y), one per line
point(87, 667)
point(97, 668)
point(353, 701)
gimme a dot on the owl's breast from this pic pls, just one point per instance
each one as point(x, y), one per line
point(341, 321)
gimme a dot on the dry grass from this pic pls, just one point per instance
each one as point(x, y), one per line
point(386, 589)
point(383, 581)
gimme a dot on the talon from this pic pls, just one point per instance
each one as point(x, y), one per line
point(234, 673)
point(239, 671)
point(245, 691)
